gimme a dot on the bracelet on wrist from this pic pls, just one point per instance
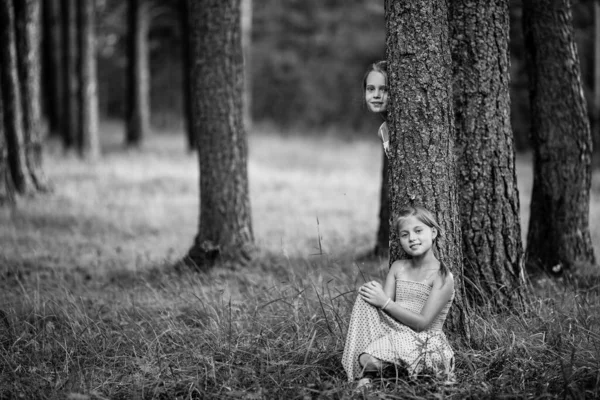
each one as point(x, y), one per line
point(386, 304)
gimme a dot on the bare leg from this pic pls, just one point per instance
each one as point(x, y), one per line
point(370, 363)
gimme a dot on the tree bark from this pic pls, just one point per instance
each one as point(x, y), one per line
point(246, 10)
point(11, 98)
point(187, 77)
point(52, 49)
point(138, 96)
point(28, 24)
point(70, 122)
point(596, 105)
point(559, 236)
point(225, 227)
point(420, 118)
point(88, 144)
point(6, 187)
point(382, 247)
point(488, 192)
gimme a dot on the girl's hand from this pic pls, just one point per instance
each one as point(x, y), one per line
point(372, 292)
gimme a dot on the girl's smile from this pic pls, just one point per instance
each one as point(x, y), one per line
point(416, 238)
point(376, 94)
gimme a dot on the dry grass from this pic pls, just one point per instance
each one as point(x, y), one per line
point(94, 310)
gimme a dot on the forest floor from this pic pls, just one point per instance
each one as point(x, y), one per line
point(92, 308)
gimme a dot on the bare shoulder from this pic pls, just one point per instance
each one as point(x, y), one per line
point(445, 283)
point(399, 267)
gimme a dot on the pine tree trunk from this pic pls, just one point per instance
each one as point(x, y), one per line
point(188, 113)
point(422, 153)
point(559, 235)
point(6, 186)
point(382, 247)
point(11, 99)
point(52, 49)
point(87, 144)
point(246, 10)
point(28, 18)
point(70, 122)
point(138, 97)
point(488, 193)
point(217, 94)
point(596, 105)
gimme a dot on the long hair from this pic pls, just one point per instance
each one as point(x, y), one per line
point(426, 217)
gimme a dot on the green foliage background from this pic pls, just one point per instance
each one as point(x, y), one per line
point(307, 62)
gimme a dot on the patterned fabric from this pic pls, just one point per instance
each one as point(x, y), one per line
point(374, 332)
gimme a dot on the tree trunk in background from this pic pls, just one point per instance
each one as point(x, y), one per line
point(138, 82)
point(422, 158)
point(186, 75)
point(11, 99)
point(559, 235)
point(88, 144)
point(6, 186)
point(52, 45)
point(29, 24)
point(70, 125)
point(217, 95)
point(247, 52)
point(596, 110)
point(487, 182)
point(382, 247)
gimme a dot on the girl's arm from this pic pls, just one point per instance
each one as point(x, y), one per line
point(441, 293)
point(389, 287)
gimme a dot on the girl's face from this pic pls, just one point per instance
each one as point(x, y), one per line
point(376, 93)
point(416, 238)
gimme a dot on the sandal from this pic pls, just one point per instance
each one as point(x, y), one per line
point(364, 384)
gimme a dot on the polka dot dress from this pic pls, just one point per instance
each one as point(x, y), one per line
point(374, 332)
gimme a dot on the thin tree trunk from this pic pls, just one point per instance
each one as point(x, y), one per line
point(247, 52)
point(88, 143)
point(188, 114)
point(218, 85)
point(7, 195)
point(422, 152)
point(489, 197)
point(11, 98)
point(28, 18)
point(559, 236)
point(596, 105)
point(382, 247)
point(53, 63)
point(138, 111)
point(70, 122)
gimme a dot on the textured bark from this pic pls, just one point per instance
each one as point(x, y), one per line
point(70, 122)
point(52, 44)
point(225, 227)
point(138, 73)
point(488, 193)
point(187, 77)
point(87, 137)
point(596, 105)
point(28, 23)
point(382, 247)
point(11, 98)
point(422, 160)
point(558, 236)
point(6, 186)
point(246, 10)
